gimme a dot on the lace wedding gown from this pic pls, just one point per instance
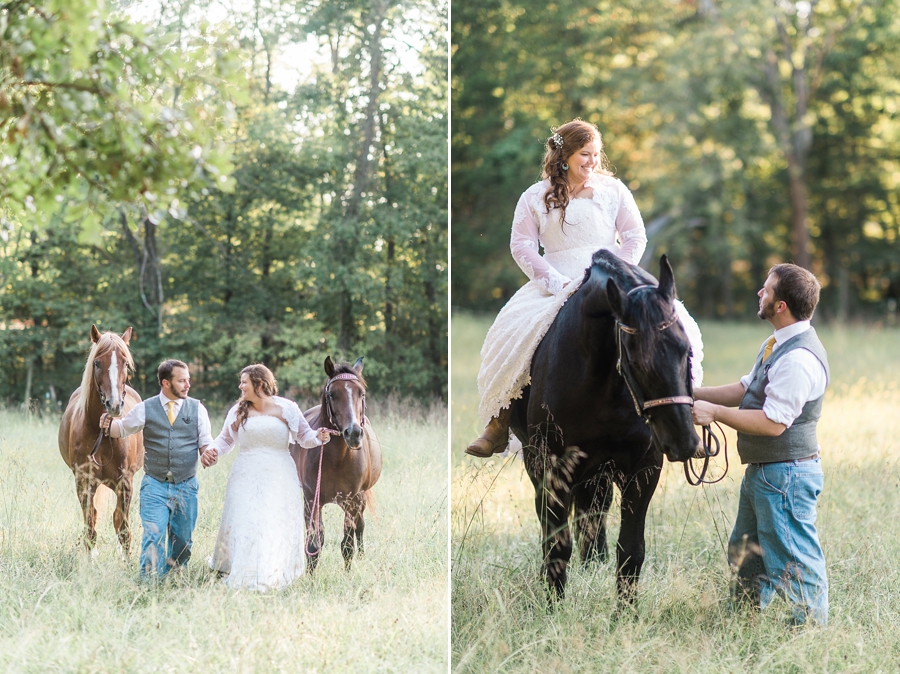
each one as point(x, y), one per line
point(609, 219)
point(261, 541)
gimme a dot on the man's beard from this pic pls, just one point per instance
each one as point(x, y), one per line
point(766, 311)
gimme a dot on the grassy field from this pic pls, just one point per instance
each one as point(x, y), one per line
point(500, 621)
point(60, 612)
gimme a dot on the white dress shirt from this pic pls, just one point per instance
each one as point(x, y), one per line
point(136, 418)
point(794, 379)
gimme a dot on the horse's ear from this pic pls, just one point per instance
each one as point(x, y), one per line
point(95, 334)
point(126, 336)
point(616, 301)
point(329, 367)
point(358, 366)
point(666, 279)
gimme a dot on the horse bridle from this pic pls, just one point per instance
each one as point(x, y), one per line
point(105, 432)
point(345, 376)
point(623, 366)
point(641, 406)
point(103, 395)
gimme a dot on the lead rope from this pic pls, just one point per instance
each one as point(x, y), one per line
point(708, 439)
point(104, 433)
point(316, 505)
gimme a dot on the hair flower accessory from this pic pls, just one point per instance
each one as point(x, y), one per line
point(557, 140)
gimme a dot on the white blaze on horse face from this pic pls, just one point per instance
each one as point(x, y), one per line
point(114, 381)
point(353, 421)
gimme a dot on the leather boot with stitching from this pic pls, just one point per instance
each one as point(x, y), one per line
point(495, 437)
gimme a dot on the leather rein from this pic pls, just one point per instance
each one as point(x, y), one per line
point(711, 445)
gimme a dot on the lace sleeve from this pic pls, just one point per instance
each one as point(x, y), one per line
point(523, 245)
point(301, 433)
point(225, 441)
point(630, 227)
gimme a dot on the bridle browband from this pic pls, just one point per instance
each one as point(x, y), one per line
point(344, 376)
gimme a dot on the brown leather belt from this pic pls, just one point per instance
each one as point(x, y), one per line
point(805, 458)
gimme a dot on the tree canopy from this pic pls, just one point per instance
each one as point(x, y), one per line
point(229, 218)
point(750, 133)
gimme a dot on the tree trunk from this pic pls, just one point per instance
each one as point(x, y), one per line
point(727, 282)
point(388, 303)
point(843, 308)
point(26, 403)
point(148, 269)
point(801, 242)
point(361, 179)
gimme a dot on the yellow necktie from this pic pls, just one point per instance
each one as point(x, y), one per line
point(170, 412)
point(770, 344)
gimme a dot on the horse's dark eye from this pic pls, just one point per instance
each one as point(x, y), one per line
point(97, 364)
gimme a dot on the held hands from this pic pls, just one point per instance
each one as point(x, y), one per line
point(105, 421)
point(323, 435)
point(704, 413)
point(209, 458)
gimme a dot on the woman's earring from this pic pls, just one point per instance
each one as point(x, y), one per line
point(565, 166)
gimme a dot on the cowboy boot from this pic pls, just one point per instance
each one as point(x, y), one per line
point(495, 437)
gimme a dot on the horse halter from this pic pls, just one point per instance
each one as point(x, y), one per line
point(103, 398)
point(345, 376)
point(710, 441)
point(105, 432)
point(623, 366)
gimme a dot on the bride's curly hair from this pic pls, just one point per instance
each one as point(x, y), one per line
point(263, 382)
point(574, 136)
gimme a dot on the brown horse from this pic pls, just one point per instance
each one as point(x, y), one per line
point(351, 463)
point(94, 459)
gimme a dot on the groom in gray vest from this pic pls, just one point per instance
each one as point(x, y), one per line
point(774, 546)
point(176, 433)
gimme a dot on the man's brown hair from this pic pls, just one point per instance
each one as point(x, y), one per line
point(164, 371)
point(798, 288)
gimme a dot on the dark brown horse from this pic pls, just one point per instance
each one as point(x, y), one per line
point(112, 462)
point(351, 463)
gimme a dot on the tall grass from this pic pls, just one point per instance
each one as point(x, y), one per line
point(500, 618)
point(62, 612)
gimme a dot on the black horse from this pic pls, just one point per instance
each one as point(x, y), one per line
point(586, 424)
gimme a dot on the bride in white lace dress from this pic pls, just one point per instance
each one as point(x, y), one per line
point(577, 209)
point(261, 541)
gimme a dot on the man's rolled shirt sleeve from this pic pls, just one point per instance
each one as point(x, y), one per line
point(204, 426)
point(793, 381)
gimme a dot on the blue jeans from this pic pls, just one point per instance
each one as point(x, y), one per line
point(774, 544)
point(167, 511)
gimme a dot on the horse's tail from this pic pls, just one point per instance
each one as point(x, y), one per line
point(369, 500)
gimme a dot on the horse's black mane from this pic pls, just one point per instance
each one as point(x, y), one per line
point(625, 275)
point(645, 314)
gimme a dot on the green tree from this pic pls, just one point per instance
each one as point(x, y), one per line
point(96, 110)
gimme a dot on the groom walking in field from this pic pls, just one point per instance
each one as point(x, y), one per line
point(177, 431)
point(774, 546)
